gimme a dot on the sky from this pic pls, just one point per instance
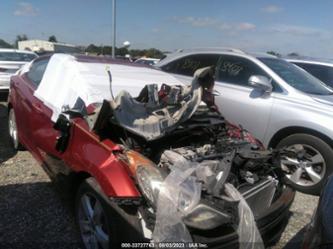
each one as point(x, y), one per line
point(254, 25)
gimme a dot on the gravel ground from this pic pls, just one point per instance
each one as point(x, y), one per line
point(33, 215)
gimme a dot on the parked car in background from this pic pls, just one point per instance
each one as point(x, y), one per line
point(281, 104)
point(319, 233)
point(164, 165)
point(147, 61)
point(320, 68)
point(10, 61)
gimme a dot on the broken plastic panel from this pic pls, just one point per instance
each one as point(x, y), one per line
point(179, 198)
point(178, 195)
point(248, 233)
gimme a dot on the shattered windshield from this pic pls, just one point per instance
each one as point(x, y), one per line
point(297, 77)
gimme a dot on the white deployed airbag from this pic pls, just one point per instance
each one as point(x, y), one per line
point(66, 79)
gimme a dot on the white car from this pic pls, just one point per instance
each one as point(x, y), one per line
point(147, 61)
point(12, 60)
point(320, 68)
point(279, 103)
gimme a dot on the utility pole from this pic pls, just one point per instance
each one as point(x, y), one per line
point(114, 28)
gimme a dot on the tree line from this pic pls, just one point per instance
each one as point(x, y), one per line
point(122, 51)
point(107, 50)
point(94, 49)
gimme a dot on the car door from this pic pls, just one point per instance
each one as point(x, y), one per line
point(23, 87)
point(239, 102)
point(42, 133)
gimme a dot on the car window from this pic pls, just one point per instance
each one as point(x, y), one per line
point(37, 70)
point(145, 62)
point(297, 77)
point(236, 70)
point(324, 73)
point(13, 56)
point(189, 64)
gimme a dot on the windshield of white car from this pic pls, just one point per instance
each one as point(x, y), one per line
point(146, 62)
point(13, 56)
point(322, 72)
point(297, 77)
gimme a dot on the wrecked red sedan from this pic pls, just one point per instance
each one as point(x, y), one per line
point(163, 167)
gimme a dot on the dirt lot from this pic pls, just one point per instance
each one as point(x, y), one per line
point(34, 216)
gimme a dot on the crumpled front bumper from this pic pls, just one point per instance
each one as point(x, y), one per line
point(271, 225)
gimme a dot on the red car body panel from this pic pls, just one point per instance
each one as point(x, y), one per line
point(85, 152)
point(99, 158)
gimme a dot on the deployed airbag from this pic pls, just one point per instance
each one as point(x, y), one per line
point(66, 79)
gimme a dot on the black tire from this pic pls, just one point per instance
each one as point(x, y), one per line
point(115, 225)
point(12, 125)
point(320, 146)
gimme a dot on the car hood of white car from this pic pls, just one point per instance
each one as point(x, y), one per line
point(67, 79)
point(323, 99)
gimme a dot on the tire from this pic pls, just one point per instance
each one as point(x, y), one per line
point(12, 130)
point(314, 163)
point(107, 228)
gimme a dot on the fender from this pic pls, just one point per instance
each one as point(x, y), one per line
point(86, 153)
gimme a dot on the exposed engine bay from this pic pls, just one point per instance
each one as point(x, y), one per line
point(194, 169)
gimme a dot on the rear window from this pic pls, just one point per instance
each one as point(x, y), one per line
point(37, 70)
point(189, 64)
point(13, 56)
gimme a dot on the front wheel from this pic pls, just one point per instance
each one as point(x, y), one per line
point(314, 162)
point(101, 227)
point(12, 129)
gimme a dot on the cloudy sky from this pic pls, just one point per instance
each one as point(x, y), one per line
point(284, 26)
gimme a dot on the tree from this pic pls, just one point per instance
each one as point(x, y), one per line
point(154, 53)
point(293, 54)
point(122, 51)
point(4, 44)
point(20, 38)
point(93, 49)
point(136, 53)
point(274, 53)
point(52, 38)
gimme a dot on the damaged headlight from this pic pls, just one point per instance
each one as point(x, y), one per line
point(205, 217)
point(149, 180)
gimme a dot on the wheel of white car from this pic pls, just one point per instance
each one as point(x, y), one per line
point(12, 129)
point(101, 227)
point(314, 162)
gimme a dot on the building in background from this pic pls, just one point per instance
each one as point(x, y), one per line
point(40, 46)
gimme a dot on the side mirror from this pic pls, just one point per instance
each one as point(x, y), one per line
point(64, 126)
point(261, 82)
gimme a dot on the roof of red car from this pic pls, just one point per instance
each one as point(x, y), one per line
point(100, 59)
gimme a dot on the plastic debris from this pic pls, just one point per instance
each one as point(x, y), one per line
point(180, 192)
point(248, 233)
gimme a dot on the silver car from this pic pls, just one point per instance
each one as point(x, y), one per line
point(280, 103)
point(10, 61)
point(320, 68)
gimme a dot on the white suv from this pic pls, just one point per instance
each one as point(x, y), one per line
point(280, 103)
point(10, 61)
